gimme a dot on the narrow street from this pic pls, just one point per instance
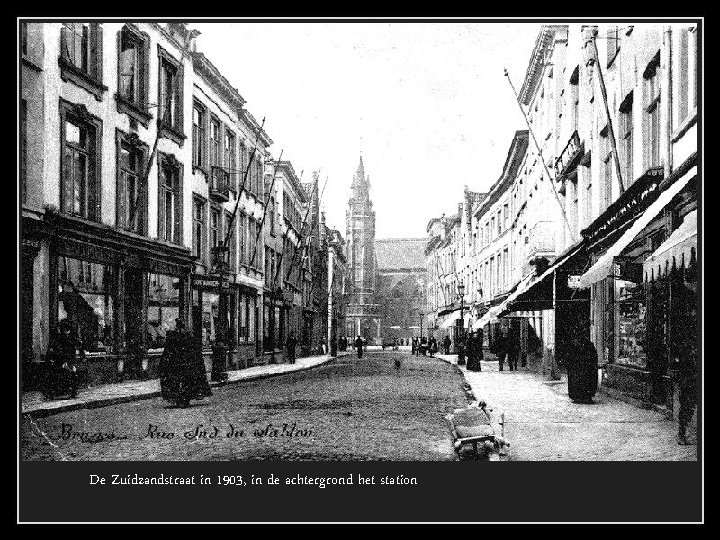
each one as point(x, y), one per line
point(351, 409)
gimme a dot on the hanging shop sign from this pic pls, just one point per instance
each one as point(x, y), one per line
point(208, 282)
point(573, 282)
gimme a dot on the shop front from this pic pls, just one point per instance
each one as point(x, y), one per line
point(214, 316)
point(274, 325)
point(643, 308)
point(119, 293)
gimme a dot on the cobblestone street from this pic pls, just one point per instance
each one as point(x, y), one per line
point(543, 424)
point(347, 410)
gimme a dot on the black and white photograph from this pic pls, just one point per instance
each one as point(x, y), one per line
point(357, 240)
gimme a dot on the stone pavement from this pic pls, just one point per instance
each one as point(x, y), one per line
point(542, 423)
point(111, 394)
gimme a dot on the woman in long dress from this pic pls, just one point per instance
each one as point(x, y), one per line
point(182, 370)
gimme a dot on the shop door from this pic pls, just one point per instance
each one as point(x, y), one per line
point(134, 317)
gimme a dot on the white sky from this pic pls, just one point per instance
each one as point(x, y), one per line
point(426, 102)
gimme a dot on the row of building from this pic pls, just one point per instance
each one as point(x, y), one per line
point(591, 227)
point(149, 194)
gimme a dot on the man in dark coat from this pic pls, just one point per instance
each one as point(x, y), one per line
point(290, 346)
point(500, 348)
point(582, 369)
point(182, 369)
point(359, 346)
point(474, 346)
point(513, 350)
point(446, 344)
point(62, 376)
point(686, 373)
point(413, 347)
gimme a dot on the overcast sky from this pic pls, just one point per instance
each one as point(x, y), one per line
point(426, 103)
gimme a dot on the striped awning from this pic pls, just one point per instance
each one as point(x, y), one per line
point(603, 267)
point(676, 252)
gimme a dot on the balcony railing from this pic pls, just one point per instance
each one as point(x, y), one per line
point(219, 184)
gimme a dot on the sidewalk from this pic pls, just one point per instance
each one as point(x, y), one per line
point(543, 424)
point(111, 394)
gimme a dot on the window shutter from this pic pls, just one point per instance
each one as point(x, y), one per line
point(96, 51)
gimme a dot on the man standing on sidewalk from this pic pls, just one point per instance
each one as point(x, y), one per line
point(290, 346)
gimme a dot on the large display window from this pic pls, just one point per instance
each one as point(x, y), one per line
point(163, 308)
point(86, 301)
point(631, 324)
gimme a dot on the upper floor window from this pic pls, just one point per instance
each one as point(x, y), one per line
point(170, 199)
point(687, 74)
point(613, 44)
point(170, 83)
point(229, 159)
point(215, 128)
point(133, 62)
point(626, 139)
point(606, 175)
point(651, 128)
point(575, 99)
point(215, 229)
point(131, 187)
point(81, 56)
point(80, 161)
point(199, 241)
point(198, 135)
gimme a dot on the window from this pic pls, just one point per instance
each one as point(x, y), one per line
point(506, 216)
point(170, 199)
point(215, 128)
point(131, 188)
point(606, 174)
point(163, 308)
point(232, 242)
point(242, 234)
point(170, 83)
point(198, 135)
point(229, 158)
point(626, 141)
point(80, 162)
point(23, 150)
point(199, 228)
point(215, 231)
point(86, 303)
point(271, 215)
point(687, 75)
point(613, 44)
point(81, 56)
point(575, 99)
point(133, 74)
point(241, 167)
point(588, 198)
point(651, 130)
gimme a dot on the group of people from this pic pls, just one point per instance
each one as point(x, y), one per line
point(506, 347)
point(472, 348)
point(424, 345)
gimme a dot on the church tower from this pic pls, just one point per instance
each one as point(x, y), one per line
point(362, 309)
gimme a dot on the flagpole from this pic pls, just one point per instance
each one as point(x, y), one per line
point(542, 159)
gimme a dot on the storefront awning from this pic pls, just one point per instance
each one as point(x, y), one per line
point(490, 316)
point(677, 251)
point(602, 268)
point(450, 320)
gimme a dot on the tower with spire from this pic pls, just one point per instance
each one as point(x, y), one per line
point(362, 315)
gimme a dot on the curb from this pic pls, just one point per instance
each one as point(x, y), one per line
point(95, 404)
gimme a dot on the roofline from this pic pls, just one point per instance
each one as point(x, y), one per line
point(286, 166)
point(537, 64)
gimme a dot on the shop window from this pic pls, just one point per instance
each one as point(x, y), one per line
point(198, 135)
point(163, 308)
point(80, 162)
point(210, 318)
point(170, 199)
point(131, 184)
point(86, 302)
point(631, 324)
point(81, 56)
point(133, 74)
point(170, 84)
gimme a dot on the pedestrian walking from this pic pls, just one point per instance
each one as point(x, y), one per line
point(474, 351)
point(182, 369)
point(359, 346)
point(446, 344)
point(290, 345)
point(513, 351)
point(500, 348)
point(433, 347)
point(686, 375)
point(423, 345)
point(61, 377)
point(413, 346)
point(582, 368)
point(460, 345)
